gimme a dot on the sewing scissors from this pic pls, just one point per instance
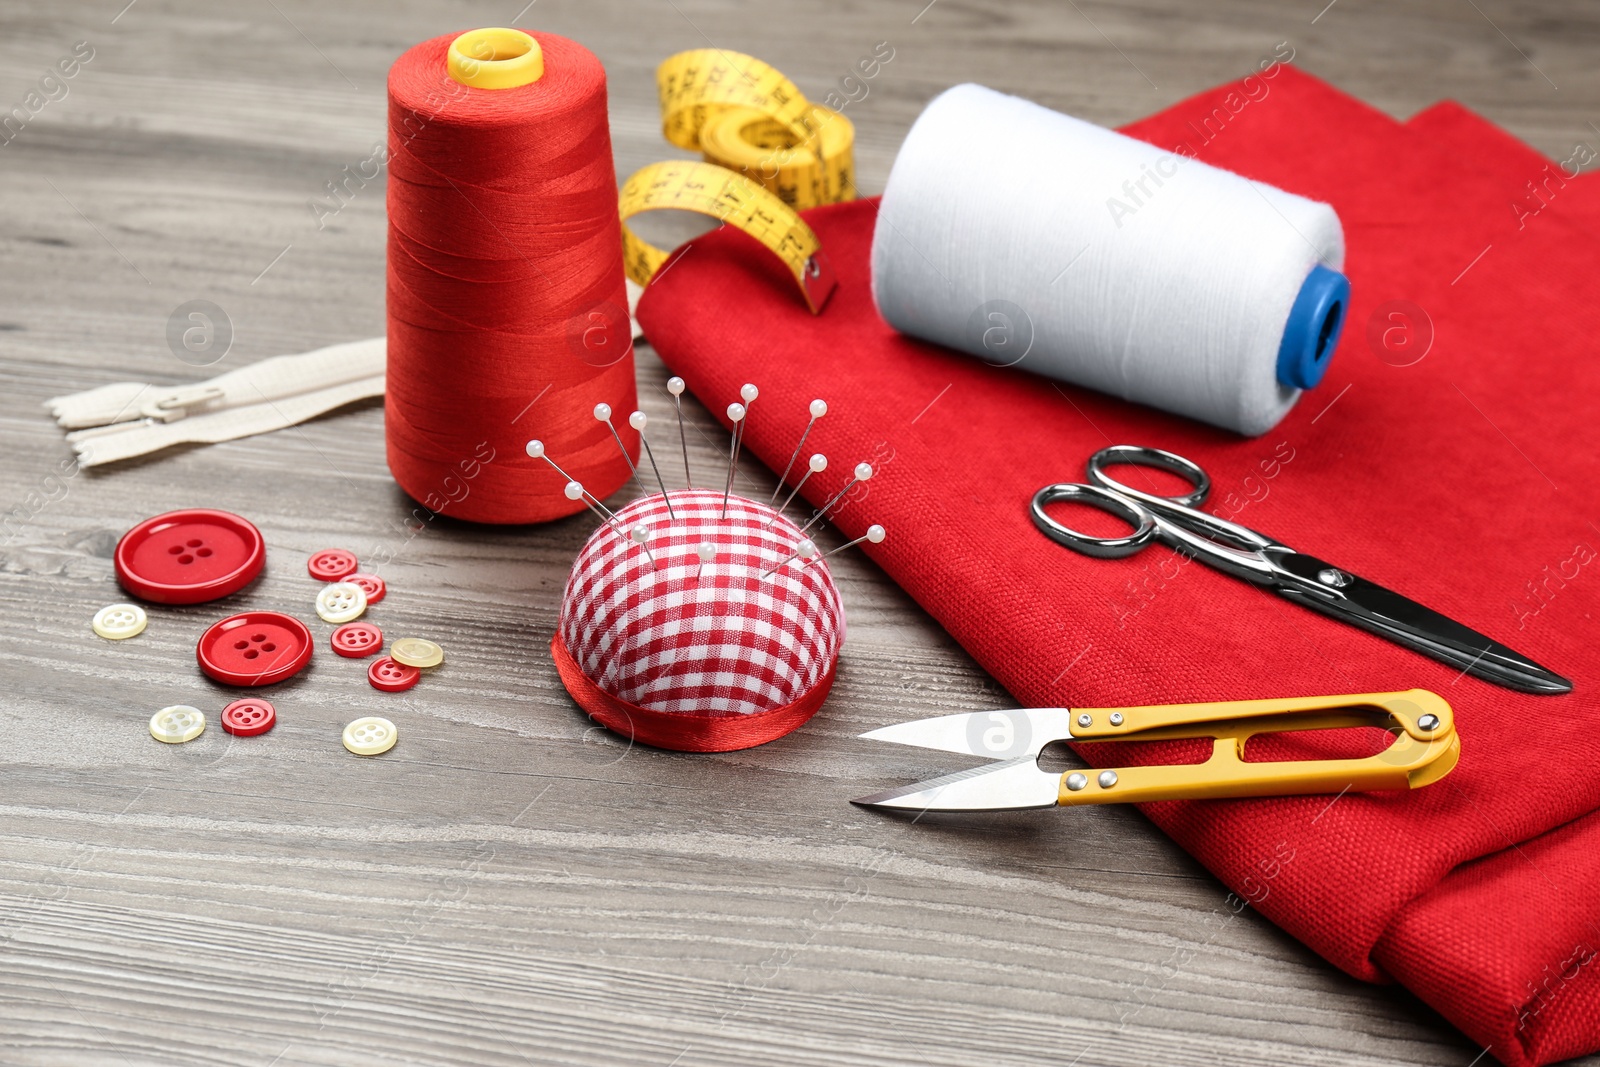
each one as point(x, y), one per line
point(1425, 748)
point(1244, 553)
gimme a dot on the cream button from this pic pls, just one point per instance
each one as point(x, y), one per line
point(118, 622)
point(370, 736)
point(341, 602)
point(416, 652)
point(176, 724)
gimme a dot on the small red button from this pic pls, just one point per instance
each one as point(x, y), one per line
point(392, 677)
point(370, 584)
point(357, 640)
point(249, 717)
point(254, 648)
point(331, 564)
point(189, 557)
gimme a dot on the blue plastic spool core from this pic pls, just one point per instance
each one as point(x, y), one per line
point(1312, 332)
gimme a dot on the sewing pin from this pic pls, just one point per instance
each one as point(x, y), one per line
point(638, 420)
point(536, 450)
point(875, 534)
point(863, 471)
point(819, 408)
point(735, 415)
point(707, 552)
point(804, 550)
point(640, 534)
point(818, 464)
point(602, 413)
point(675, 387)
point(576, 491)
point(748, 394)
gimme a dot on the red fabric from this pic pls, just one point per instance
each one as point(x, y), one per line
point(1465, 480)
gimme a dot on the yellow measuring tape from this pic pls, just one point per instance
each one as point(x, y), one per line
point(769, 153)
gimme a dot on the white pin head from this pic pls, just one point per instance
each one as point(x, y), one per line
point(640, 533)
point(637, 420)
point(602, 413)
point(536, 449)
point(819, 463)
point(675, 385)
point(706, 551)
point(574, 491)
point(819, 408)
point(748, 393)
point(806, 549)
point(876, 534)
point(735, 412)
point(863, 471)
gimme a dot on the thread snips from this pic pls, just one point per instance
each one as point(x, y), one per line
point(1424, 749)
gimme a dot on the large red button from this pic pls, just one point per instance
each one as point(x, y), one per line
point(392, 677)
point(356, 640)
point(189, 557)
point(249, 717)
point(331, 564)
point(254, 648)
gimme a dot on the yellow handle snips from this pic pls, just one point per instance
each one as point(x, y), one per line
point(1423, 749)
point(769, 153)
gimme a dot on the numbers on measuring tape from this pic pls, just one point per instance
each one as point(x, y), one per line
point(696, 84)
point(731, 199)
point(769, 153)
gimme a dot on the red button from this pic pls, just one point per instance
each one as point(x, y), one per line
point(254, 648)
point(331, 564)
point(189, 557)
point(392, 677)
point(249, 717)
point(370, 584)
point(357, 640)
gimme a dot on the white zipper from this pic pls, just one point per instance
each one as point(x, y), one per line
point(127, 419)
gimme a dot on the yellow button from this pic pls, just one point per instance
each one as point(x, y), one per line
point(341, 602)
point(118, 622)
point(416, 652)
point(370, 736)
point(176, 724)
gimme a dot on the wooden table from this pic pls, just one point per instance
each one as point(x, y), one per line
point(511, 885)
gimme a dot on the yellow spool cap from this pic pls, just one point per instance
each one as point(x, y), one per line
point(495, 58)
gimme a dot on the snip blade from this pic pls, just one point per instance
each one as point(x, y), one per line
point(997, 735)
point(1013, 785)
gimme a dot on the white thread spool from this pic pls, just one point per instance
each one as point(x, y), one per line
point(998, 236)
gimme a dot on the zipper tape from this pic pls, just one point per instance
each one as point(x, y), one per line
point(126, 419)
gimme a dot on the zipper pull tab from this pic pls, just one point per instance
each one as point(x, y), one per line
point(176, 404)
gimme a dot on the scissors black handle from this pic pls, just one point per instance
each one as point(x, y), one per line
point(1244, 553)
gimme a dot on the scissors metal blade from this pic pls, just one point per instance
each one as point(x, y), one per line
point(1013, 785)
point(1350, 598)
point(997, 735)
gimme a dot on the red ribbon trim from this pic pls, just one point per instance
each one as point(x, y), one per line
point(685, 731)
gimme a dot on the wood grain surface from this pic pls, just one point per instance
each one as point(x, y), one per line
point(510, 885)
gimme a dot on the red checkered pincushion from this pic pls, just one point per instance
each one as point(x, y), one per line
point(705, 659)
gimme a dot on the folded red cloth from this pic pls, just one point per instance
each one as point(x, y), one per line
point(1462, 480)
